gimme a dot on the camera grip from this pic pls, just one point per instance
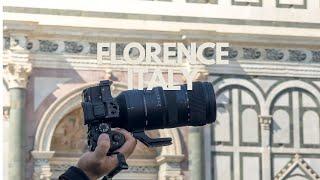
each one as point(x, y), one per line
point(116, 138)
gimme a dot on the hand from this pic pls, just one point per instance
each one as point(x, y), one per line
point(97, 164)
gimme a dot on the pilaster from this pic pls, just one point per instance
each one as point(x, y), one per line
point(196, 153)
point(265, 123)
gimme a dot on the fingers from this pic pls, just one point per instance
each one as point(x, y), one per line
point(128, 147)
point(103, 146)
point(110, 162)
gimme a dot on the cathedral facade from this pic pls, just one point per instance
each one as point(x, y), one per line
point(268, 96)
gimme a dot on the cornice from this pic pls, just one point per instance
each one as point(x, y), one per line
point(244, 59)
point(38, 30)
point(186, 11)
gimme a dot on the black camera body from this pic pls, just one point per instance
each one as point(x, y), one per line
point(99, 108)
point(140, 110)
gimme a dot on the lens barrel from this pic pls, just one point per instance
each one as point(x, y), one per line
point(158, 108)
point(138, 110)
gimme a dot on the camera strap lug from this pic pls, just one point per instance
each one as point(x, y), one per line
point(122, 164)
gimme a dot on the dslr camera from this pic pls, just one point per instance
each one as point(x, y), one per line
point(141, 110)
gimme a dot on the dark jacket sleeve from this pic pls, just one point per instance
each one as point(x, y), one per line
point(74, 173)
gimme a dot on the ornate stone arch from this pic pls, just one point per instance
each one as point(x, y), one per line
point(246, 84)
point(291, 84)
point(285, 103)
point(168, 160)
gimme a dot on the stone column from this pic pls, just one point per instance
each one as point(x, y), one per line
point(42, 169)
point(196, 153)
point(16, 73)
point(265, 122)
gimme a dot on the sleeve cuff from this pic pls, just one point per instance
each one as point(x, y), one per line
point(74, 173)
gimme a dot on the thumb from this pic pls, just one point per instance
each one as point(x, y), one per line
point(103, 146)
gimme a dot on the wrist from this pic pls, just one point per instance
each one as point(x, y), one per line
point(90, 175)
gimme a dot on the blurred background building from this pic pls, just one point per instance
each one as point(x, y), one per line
point(268, 124)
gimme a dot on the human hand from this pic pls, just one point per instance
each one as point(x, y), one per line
point(96, 164)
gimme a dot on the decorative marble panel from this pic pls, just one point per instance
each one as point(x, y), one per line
point(247, 2)
point(314, 162)
point(43, 86)
point(311, 128)
point(308, 101)
point(250, 126)
point(292, 3)
point(281, 127)
point(246, 99)
point(222, 166)
point(222, 127)
point(283, 100)
point(250, 166)
point(248, 118)
point(265, 83)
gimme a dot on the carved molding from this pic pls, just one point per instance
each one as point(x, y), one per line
point(297, 55)
point(274, 54)
point(265, 122)
point(248, 60)
point(143, 169)
point(16, 74)
point(169, 158)
point(42, 169)
point(17, 67)
point(316, 56)
point(90, 48)
point(297, 160)
point(16, 42)
point(170, 171)
point(251, 53)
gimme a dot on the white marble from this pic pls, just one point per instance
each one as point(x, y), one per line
point(43, 86)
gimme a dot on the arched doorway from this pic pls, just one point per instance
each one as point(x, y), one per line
point(61, 139)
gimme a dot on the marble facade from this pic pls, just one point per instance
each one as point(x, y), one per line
point(268, 124)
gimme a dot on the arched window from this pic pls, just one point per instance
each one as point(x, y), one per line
point(296, 119)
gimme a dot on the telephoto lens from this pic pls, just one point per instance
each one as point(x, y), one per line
point(158, 108)
point(150, 109)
